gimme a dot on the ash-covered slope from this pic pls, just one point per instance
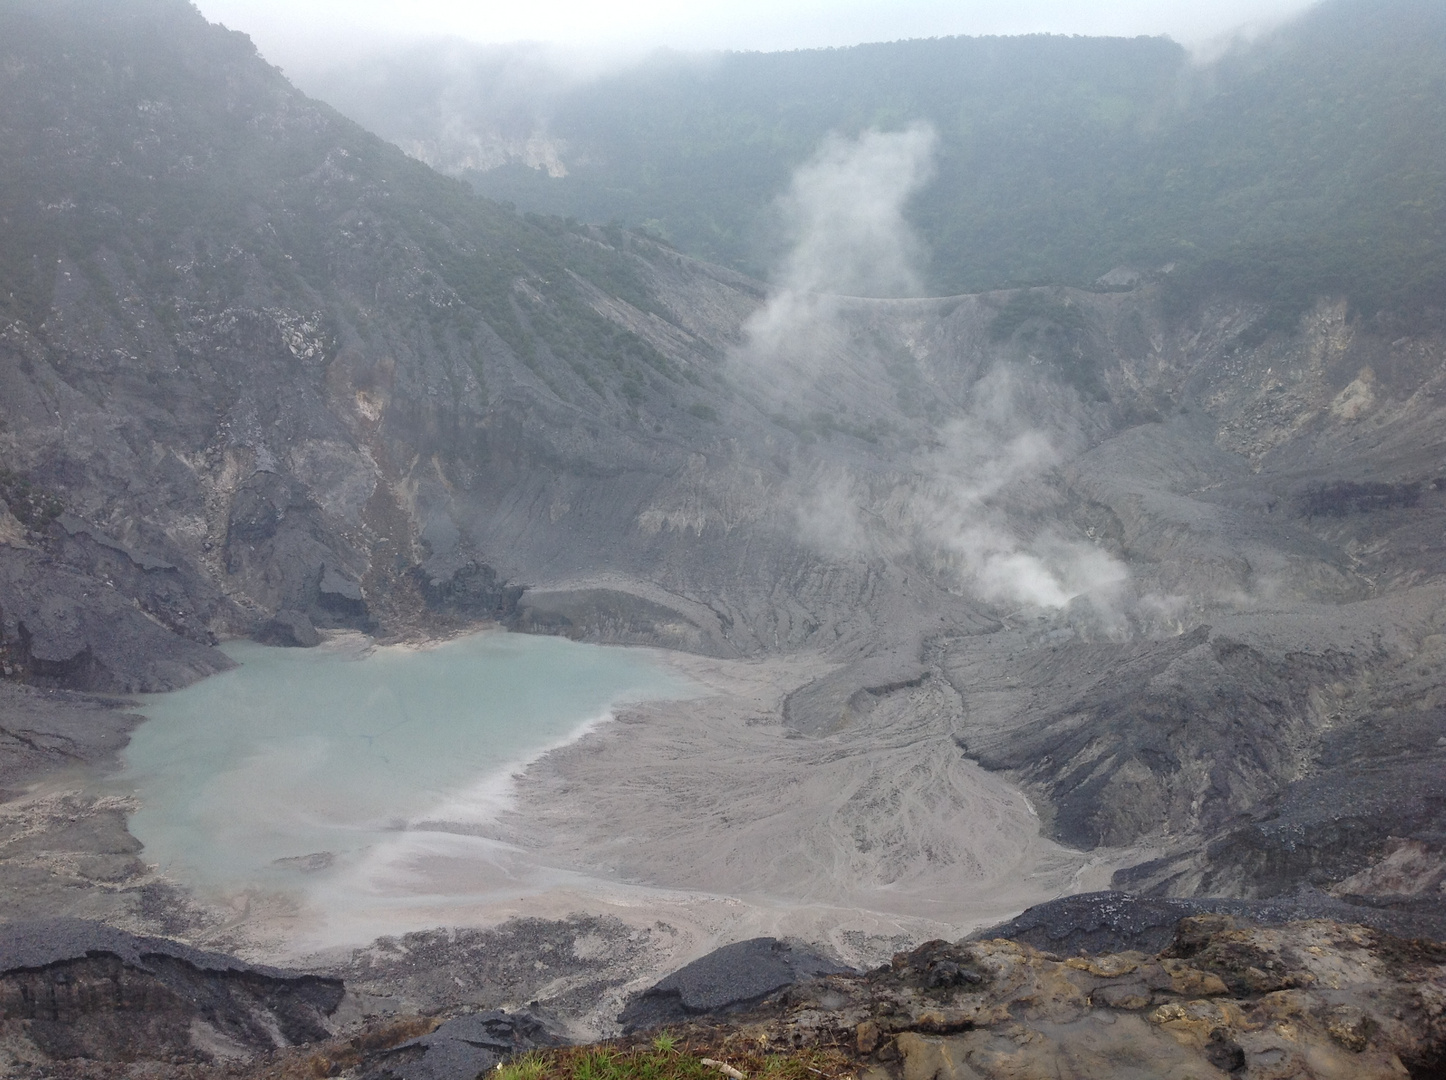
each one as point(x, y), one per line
point(1177, 572)
point(255, 359)
point(263, 373)
point(75, 991)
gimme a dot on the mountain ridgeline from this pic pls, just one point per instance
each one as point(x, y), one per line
point(1312, 160)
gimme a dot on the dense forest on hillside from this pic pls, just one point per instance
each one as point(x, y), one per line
point(1313, 160)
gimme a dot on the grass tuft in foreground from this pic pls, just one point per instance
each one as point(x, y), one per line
point(664, 1058)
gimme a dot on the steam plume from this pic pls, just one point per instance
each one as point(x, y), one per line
point(957, 512)
point(949, 511)
point(844, 214)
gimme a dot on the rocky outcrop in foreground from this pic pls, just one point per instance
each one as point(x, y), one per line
point(305, 384)
point(1315, 998)
point(726, 980)
point(1226, 997)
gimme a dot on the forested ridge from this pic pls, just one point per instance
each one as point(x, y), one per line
point(1310, 161)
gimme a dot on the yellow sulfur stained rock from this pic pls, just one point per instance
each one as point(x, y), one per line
point(1192, 982)
point(1282, 1005)
point(1351, 1027)
point(933, 1059)
point(1111, 966)
point(1127, 996)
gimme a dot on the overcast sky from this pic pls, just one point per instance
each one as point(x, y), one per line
point(301, 32)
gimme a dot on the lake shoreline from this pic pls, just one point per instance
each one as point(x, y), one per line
point(655, 782)
point(690, 883)
point(267, 775)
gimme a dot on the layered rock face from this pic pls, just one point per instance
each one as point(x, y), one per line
point(80, 992)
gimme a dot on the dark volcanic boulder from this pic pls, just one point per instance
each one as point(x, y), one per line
point(290, 629)
point(87, 990)
point(464, 1047)
point(340, 594)
point(725, 980)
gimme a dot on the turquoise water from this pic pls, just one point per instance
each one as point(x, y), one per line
point(302, 761)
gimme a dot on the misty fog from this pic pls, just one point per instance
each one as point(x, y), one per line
point(844, 213)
